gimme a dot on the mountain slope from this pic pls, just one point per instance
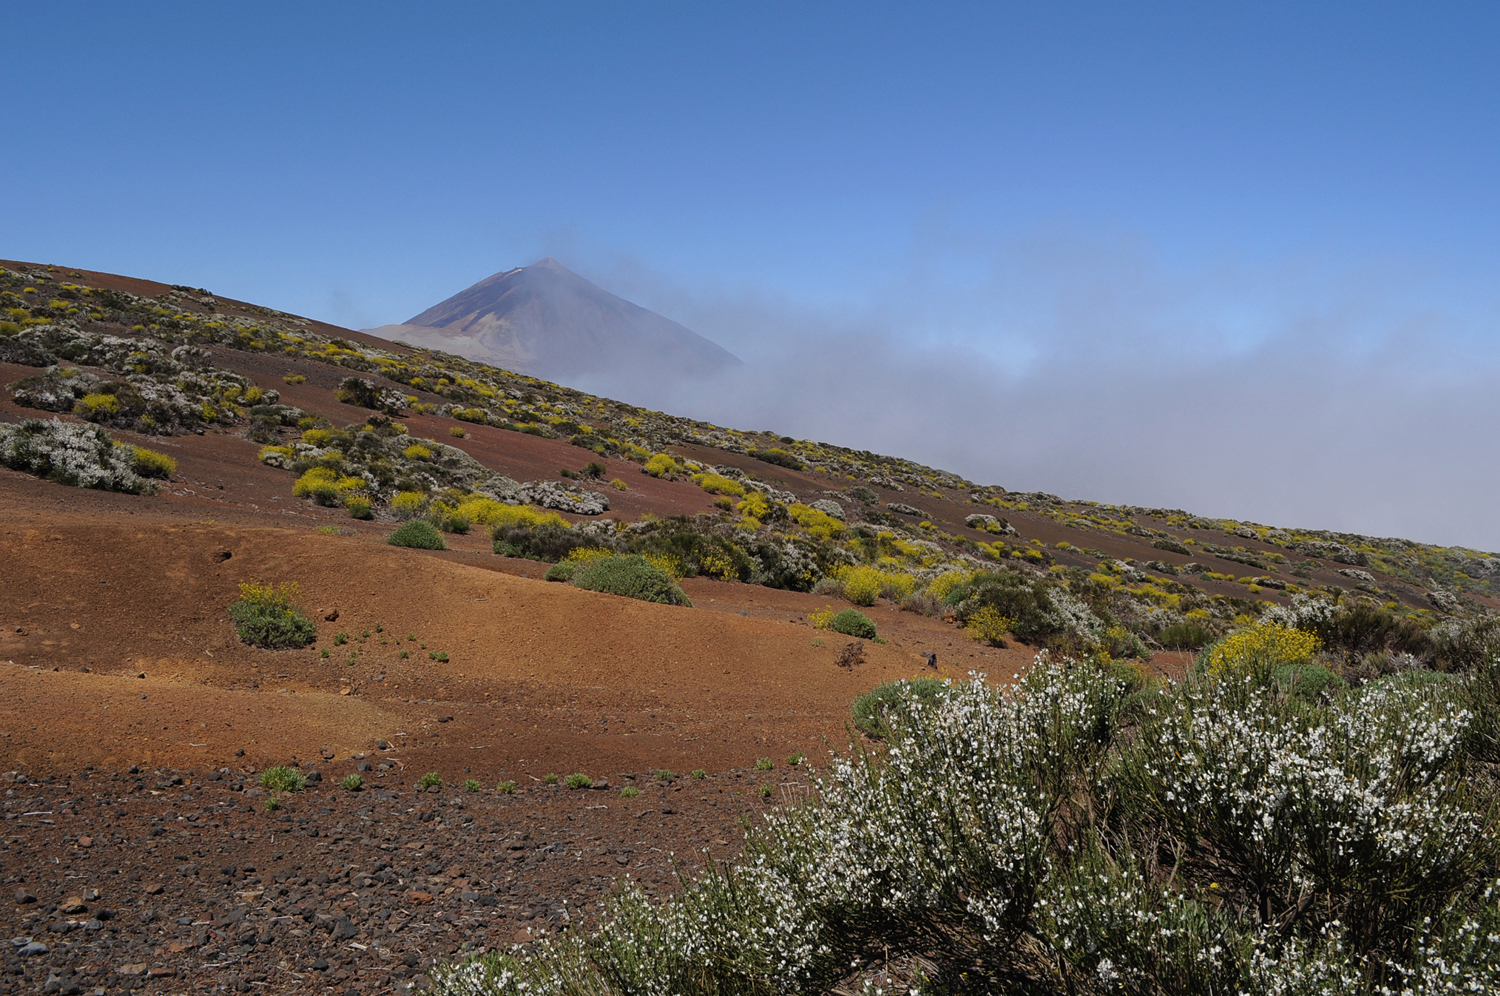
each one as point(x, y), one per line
point(547, 321)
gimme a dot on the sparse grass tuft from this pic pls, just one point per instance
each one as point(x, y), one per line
point(550, 778)
point(506, 787)
point(764, 764)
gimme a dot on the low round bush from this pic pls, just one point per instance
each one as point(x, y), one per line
point(870, 710)
point(632, 577)
point(852, 622)
point(266, 616)
point(419, 534)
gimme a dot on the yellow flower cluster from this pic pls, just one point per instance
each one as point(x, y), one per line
point(1260, 646)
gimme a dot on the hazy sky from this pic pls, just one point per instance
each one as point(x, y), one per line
point(1238, 260)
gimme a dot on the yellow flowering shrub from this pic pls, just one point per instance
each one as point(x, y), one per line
point(408, 504)
point(716, 484)
point(581, 555)
point(1260, 646)
point(495, 514)
point(149, 463)
point(988, 626)
point(661, 465)
point(667, 564)
point(864, 584)
point(820, 524)
point(718, 566)
point(416, 451)
point(97, 404)
point(822, 617)
point(319, 437)
point(942, 586)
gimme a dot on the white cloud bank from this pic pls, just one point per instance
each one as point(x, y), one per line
point(1289, 393)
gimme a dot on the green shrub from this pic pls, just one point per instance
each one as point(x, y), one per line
point(430, 780)
point(871, 711)
point(779, 457)
point(353, 783)
point(272, 804)
point(472, 785)
point(699, 773)
point(852, 622)
point(629, 792)
point(578, 780)
point(549, 543)
point(339, 639)
point(282, 779)
point(266, 616)
point(453, 522)
point(562, 571)
point(438, 655)
point(664, 775)
point(506, 787)
point(550, 778)
point(765, 791)
point(1309, 682)
point(359, 507)
point(1188, 635)
point(631, 577)
point(418, 534)
point(764, 764)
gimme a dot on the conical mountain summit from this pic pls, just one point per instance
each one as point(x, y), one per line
point(547, 321)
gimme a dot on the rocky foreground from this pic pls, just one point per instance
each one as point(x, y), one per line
point(175, 881)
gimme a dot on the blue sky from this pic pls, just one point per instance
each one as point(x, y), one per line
point(1036, 244)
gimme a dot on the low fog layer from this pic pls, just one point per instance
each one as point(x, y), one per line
point(1288, 393)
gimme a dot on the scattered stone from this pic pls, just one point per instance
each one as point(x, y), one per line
point(332, 616)
point(420, 898)
point(24, 896)
point(154, 889)
point(71, 905)
point(85, 841)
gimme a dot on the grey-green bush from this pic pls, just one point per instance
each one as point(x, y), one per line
point(631, 576)
point(852, 622)
point(419, 534)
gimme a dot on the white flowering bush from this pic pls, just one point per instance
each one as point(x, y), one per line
point(1069, 836)
point(69, 453)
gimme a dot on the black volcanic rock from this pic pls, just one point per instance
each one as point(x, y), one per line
point(547, 321)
